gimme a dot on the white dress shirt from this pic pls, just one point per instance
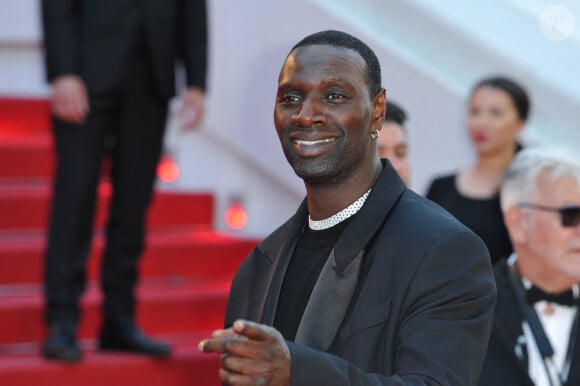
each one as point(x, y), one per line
point(557, 323)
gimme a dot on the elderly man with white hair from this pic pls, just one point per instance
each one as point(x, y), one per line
point(535, 338)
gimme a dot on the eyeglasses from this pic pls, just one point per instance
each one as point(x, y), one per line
point(569, 215)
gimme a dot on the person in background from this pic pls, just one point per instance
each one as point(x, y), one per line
point(111, 64)
point(498, 110)
point(368, 283)
point(535, 338)
point(392, 141)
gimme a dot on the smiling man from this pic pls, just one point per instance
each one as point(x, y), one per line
point(535, 338)
point(368, 283)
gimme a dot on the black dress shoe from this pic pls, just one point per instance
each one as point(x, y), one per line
point(132, 340)
point(61, 344)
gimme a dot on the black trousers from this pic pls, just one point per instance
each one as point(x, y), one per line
point(134, 116)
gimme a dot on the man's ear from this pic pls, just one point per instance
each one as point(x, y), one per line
point(379, 109)
point(516, 224)
point(521, 125)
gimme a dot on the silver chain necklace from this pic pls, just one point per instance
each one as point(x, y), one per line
point(349, 211)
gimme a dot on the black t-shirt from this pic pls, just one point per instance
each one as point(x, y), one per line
point(310, 255)
point(482, 216)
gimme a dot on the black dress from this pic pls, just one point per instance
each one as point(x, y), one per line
point(483, 216)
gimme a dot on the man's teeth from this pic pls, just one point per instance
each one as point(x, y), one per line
point(303, 142)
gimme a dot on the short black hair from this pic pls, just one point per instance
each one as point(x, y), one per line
point(335, 38)
point(517, 93)
point(395, 113)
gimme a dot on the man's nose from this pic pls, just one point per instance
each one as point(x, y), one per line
point(310, 113)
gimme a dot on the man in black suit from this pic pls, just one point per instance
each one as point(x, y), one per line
point(111, 67)
point(535, 338)
point(368, 283)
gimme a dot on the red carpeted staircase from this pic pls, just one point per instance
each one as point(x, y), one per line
point(185, 273)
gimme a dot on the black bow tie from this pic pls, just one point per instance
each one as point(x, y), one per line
point(565, 298)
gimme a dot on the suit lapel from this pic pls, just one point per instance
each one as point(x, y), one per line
point(508, 323)
point(334, 289)
point(386, 191)
point(328, 303)
point(574, 376)
point(281, 260)
point(509, 318)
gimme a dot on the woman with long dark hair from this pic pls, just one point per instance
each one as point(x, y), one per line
point(498, 110)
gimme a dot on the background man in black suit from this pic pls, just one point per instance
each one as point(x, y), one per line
point(368, 283)
point(111, 67)
point(538, 287)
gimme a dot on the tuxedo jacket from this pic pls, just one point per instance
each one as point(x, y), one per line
point(501, 365)
point(92, 39)
point(406, 295)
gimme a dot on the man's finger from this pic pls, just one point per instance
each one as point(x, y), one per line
point(228, 344)
point(236, 364)
point(255, 331)
point(230, 378)
point(222, 333)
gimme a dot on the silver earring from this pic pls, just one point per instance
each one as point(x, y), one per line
point(374, 135)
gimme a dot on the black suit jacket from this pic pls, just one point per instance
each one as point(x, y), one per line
point(91, 38)
point(406, 295)
point(501, 365)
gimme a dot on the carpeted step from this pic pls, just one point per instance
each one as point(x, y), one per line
point(26, 156)
point(25, 205)
point(25, 138)
point(185, 272)
point(186, 367)
point(172, 252)
point(24, 115)
point(165, 306)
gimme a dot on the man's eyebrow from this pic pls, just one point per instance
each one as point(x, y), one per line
point(337, 78)
point(285, 87)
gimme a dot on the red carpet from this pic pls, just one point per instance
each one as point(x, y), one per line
point(185, 272)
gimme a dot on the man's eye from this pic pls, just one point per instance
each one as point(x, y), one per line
point(401, 153)
point(334, 97)
point(289, 98)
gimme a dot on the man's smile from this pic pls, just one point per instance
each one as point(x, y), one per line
point(313, 142)
point(308, 145)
